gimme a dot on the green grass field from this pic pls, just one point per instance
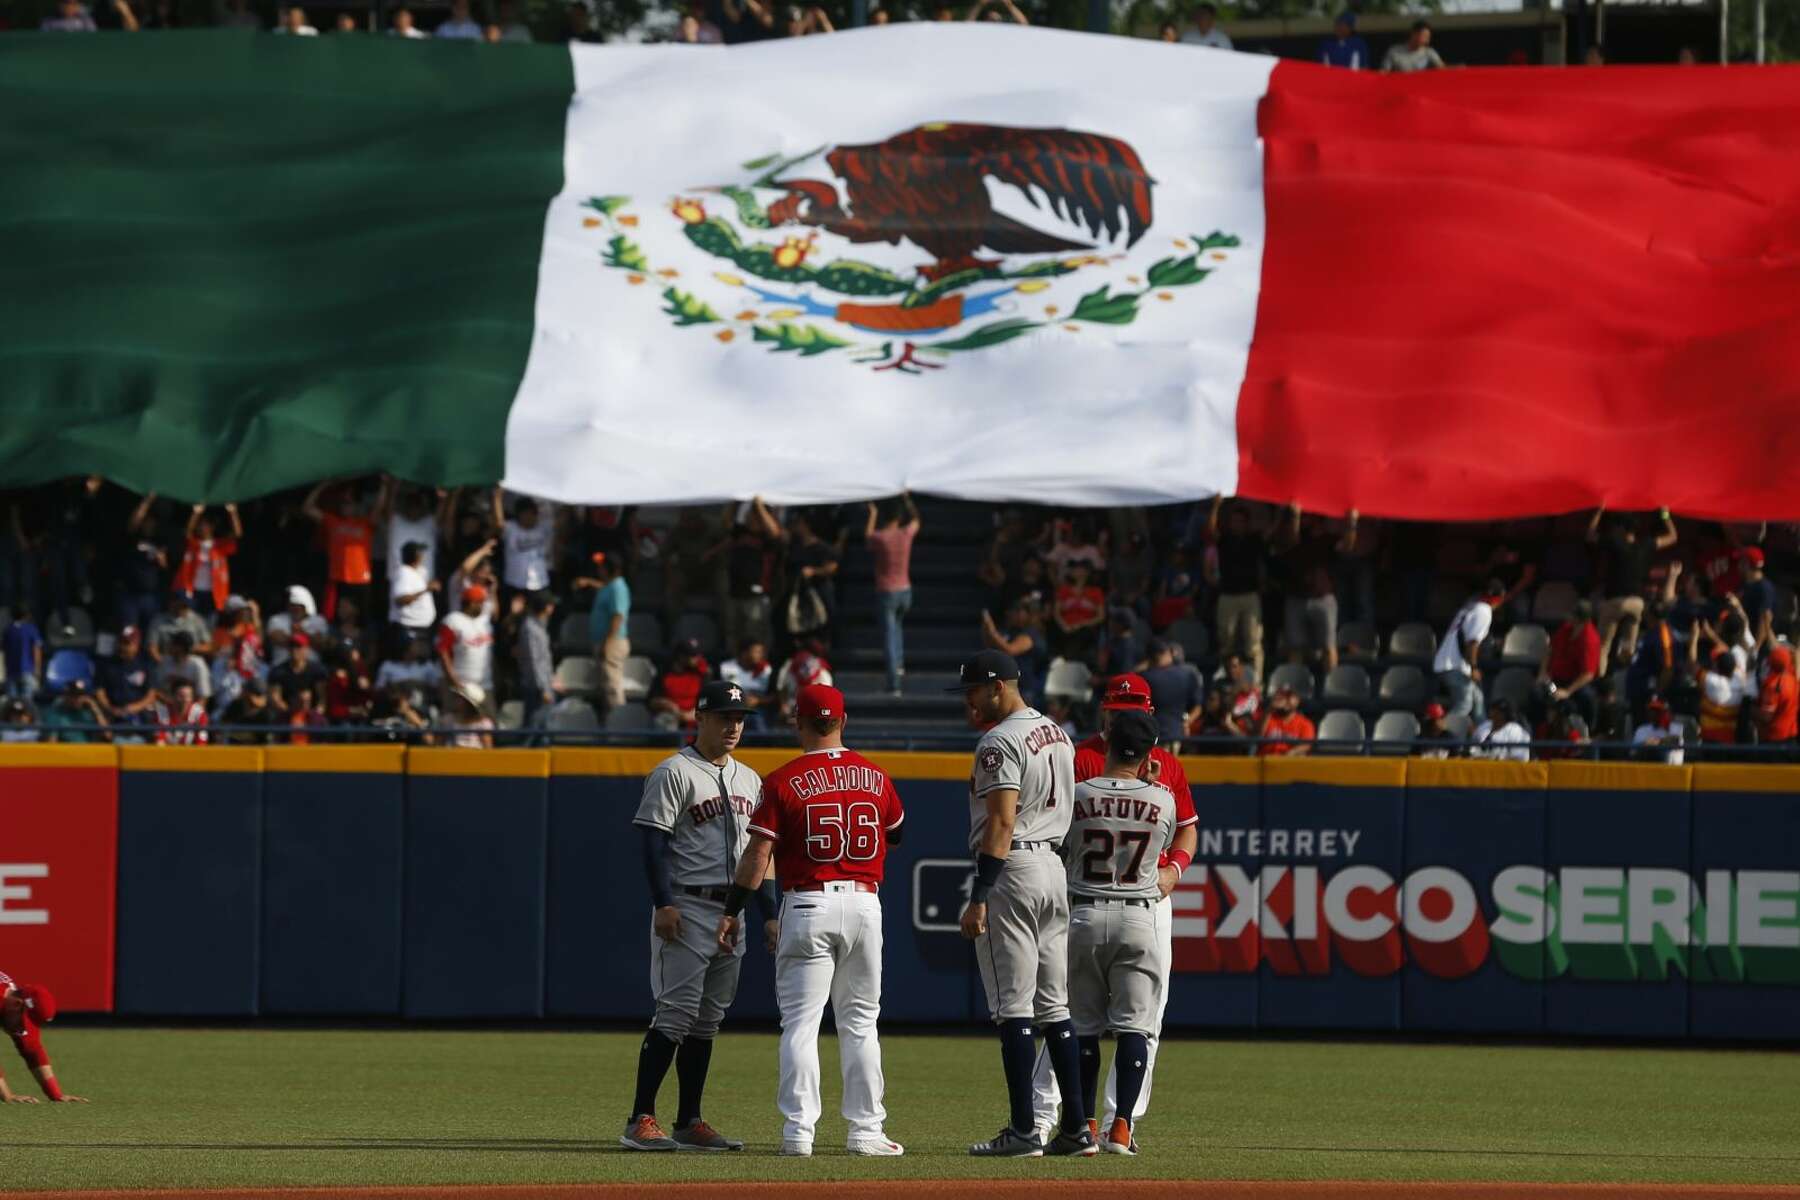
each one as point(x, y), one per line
point(290, 1107)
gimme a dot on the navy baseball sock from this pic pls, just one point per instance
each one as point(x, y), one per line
point(1131, 1060)
point(1065, 1060)
point(654, 1057)
point(1018, 1054)
point(691, 1063)
point(1090, 1071)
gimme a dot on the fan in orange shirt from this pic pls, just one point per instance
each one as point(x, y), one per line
point(1284, 720)
point(1779, 709)
point(349, 542)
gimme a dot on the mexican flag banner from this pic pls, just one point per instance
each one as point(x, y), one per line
point(972, 260)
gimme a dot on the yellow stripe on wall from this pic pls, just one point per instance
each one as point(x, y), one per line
point(240, 759)
point(342, 760)
point(1733, 777)
point(484, 764)
point(1341, 772)
point(30, 754)
point(1475, 773)
point(1619, 777)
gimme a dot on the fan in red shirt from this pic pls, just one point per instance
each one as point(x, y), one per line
point(827, 819)
point(23, 1007)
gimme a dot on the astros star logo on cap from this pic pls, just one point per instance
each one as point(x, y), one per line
point(736, 693)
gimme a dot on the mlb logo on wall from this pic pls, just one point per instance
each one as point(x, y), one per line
point(940, 891)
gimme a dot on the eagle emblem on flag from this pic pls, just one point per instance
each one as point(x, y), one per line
point(900, 254)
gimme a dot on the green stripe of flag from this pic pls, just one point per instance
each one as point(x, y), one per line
point(234, 262)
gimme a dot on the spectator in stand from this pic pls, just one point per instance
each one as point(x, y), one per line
point(1079, 614)
point(506, 16)
point(1658, 738)
point(404, 26)
point(75, 717)
point(537, 666)
point(301, 617)
point(1721, 691)
point(1458, 675)
point(812, 592)
point(1243, 697)
point(1132, 565)
point(748, 20)
point(750, 573)
point(581, 25)
point(18, 724)
point(460, 24)
point(1354, 569)
point(677, 689)
point(1120, 651)
point(1176, 693)
point(1573, 662)
point(1177, 588)
point(182, 665)
point(349, 693)
point(1168, 33)
point(23, 645)
point(417, 674)
point(1238, 578)
point(1306, 551)
point(1507, 563)
point(301, 676)
point(249, 717)
point(1033, 584)
point(806, 667)
point(349, 544)
point(1595, 56)
point(984, 10)
point(1652, 669)
point(691, 564)
point(1629, 552)
point(1023, 638)
point(801, 23)
point(294, 23)
point(204, 577)
point(301, 716)
point(1206, 31)
point(609, 627)
point(1756, 596)
point(1778, 708)
point(889, 532)
point(413, 604)
point(125, 680)
point(1077, 541)
point(1285, 730)
point(1211, 733)
point(71, 17)
point(1564, 725)
point(879, 16)
point(1501, 736)
point(144, 567)
point(473, 728)
point(465, 643)
point(1345, 47)
point(407, 516)
point(180, 717)
point(477, 570)
point(1415, 54)
point(179, 619)
point(1003, 565)
point(1436, 739)
point(752, 672)
point(529, 542)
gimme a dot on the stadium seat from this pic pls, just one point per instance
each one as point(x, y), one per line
point(1513, 685)
point(629, 718)
point(700, 627)
point(512, 714)
point(1068, 680)
point(573, 716)
point(1525, 646)
point(1347, 687)
point(73, 628)
point(1404, 687)
point(572, 634)
point(65, 667)
point(640, 676)
point(645, 631)
point(1394, 733)
point(1553, 603)
point(1341, 725)
point(1358, 643)
point(1295, 675)
point(1191, 636)
point(1460, 726)
point(578, 675)
point(1413, 643)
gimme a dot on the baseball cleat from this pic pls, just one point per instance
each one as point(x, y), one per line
point(644, 1133)
point(880, 1147)
point(795, 1150)
point(1009, 1143)
point(1074, 1145)
point(1044, 1133)
point(1119, 1140)
point(698, 1135)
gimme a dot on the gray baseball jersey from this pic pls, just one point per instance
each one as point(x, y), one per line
point(1023, 955)
point(705, 810)
point(1117, 964)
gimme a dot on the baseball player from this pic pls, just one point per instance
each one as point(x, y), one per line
point(827, 819)
point(1131, 693)
point(24, 1007)
point(693, 815)
point(1120, 824)
point(1018, 913)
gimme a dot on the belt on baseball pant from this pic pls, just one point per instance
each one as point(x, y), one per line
point(836, 885)
point(1133, 901)
point(706, 893)
point(1033, 846)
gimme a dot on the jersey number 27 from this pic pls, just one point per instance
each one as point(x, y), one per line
point(838, 831)
point(1100, 864)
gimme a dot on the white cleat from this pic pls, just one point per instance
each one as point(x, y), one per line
point(880, 1147)
point(795, 1150)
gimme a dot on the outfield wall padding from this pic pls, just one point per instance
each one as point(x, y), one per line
point(1564, 898)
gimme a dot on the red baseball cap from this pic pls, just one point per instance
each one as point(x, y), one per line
point(475, 592)
point(1753, 554)
point(1129, 692)
point(1434, 712)
point(300, 639)
point(39, 1003)
point(819, 700)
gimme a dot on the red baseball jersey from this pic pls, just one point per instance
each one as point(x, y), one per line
point(1165, 768)
point(829, 813)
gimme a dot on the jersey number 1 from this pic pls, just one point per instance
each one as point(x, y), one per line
point(836, 831)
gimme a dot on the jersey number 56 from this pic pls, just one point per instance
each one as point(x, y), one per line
point(837, 831)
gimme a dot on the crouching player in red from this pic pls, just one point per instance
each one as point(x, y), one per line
point(827, 818)
point(23, 1007)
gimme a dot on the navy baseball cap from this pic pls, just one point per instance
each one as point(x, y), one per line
point(990, 666)
point(1131, 734)
point(720, 695)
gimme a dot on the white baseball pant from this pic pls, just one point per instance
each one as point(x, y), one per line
point(830, 948)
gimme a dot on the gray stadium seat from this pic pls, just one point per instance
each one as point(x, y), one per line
point(579, 675)
point(1347, 687)
point(645, 631)
point(572, 633)
point(640, 676)
point(1068, 680)
point(1341, 725)
point(1404, 687)
point(700, 627)
point(1514, 685)
point(629, 718)
point(512, 714)
point(573, 716)
point(1191, 636)
point(1358, 643)
point(1525, 646)
point(1412, 643)
point(1295, 675)
point(1553, 603)
point(71, 630)
point(1394, 733)
point(1459, 725)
